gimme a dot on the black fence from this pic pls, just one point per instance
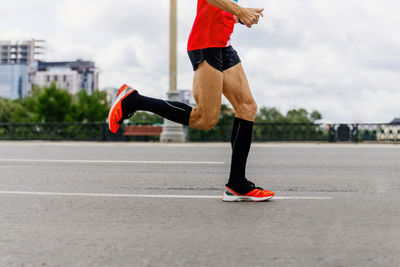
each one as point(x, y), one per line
point(57, 131)
point(364, 132)
point(267, 132)
point(262, 132)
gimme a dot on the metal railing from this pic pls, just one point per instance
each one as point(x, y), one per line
point(364, 132)
point(222, 132)
point(57, 131)
point(267, 132)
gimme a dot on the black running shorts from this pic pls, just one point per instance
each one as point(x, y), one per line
point(220, 58)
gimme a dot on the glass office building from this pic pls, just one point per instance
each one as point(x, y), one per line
point(15, 58)
point(13, 81)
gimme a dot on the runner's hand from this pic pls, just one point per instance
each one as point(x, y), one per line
point(250, 16)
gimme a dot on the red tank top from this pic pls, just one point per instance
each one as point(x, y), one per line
point(212, 27)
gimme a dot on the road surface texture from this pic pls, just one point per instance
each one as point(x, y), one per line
point(138, 204)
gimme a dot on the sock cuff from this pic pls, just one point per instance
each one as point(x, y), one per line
point(244, 121)
point(188, 111)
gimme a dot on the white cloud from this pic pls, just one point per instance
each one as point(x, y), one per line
point(339, 57)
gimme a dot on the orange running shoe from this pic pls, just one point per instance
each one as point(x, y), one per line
point(115, 116)
point(123, 88)
point(257, 194)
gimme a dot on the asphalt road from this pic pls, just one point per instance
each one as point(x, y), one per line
point(110, 204)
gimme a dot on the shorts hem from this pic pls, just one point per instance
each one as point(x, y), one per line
point(220, 58)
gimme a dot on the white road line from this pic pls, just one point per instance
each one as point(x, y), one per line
point(113, 161)
point(143, 196)
point(201, 144)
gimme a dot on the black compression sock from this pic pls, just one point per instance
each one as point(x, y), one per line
point(171, 110)
point(241, 142)
point(234, 131)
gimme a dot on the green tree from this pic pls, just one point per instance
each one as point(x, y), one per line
point(272, 115)
point(269, 115)
point(145, 118)
point(54, 105)
point(90, 108)
point(30, 103)
point(302, 116)
point(12, 111)
point(297, 116)
point(316, 116)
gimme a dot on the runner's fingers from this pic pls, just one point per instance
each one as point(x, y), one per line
point(260, 12)
point(249, 23)
point(256, 18)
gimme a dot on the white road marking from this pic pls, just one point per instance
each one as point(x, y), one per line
point(112, 161)
point(201, 144)
point(143, 196)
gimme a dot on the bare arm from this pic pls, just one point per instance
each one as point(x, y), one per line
point(248, 16)
point(226, 5)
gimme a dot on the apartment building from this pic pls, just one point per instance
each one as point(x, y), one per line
point(20, 52)
point(70, 75)
point(15, 58)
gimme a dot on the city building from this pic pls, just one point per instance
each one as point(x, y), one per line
point(20, 69)
point(21, 52)
point(13, 81)
point(70, 75)
point(15, 58)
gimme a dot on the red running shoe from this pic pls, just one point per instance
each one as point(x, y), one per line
point(257, 194)
point(115, 116)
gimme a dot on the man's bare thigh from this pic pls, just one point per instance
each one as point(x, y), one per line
point(207, 92)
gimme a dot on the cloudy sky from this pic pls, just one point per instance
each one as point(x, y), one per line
point(341, 57)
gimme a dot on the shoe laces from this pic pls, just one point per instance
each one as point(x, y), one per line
point(252, 185)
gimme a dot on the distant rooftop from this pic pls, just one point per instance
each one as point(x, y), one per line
point(395, 121)
point(74, 65)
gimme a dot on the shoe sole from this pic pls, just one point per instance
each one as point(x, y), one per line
point(115, 115)
point(229, 198)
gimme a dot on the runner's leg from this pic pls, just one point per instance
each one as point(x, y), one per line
point(236, 89)
point(207, 91)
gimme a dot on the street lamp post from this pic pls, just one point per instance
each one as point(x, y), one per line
point(173, 36)
point(172, 132)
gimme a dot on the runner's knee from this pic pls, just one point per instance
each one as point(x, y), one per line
point(247, 111)
point(208, 120)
